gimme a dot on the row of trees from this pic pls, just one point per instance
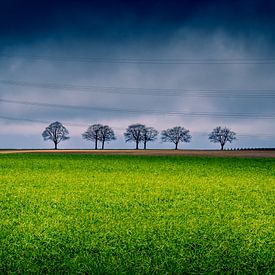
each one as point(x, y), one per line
point(138, 133)
point(56, 132)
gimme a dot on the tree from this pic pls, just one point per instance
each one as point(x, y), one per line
point(176, 135)
point(93, 133)
point(148, 134)
point(134, 133)
point(56, 132)
point(106, 134)
point(222, 135)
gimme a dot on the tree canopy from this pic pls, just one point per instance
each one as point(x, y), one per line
point(148, 134)
point(106, 134)
point(56, 132)
point(99, 132)
point(222, 136)
point(134, 133)
point(176, 135)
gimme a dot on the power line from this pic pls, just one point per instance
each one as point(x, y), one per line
point(228, 93)
point(115, 128)
point(39, 121)
point(154, 112)
point(144, 61)
point(47, 122)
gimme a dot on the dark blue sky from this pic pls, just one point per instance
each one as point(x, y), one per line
point(55, 42)
point(26, 21)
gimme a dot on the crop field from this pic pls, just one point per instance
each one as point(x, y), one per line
point(72, 213)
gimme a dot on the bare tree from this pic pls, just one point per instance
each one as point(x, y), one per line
point(148, 134)
point(93, 133)
point(176, 135)
point(55, 132)
point(106, 134)
point(222, 135)
point(134, 133)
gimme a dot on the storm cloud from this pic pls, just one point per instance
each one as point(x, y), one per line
point(198, 64)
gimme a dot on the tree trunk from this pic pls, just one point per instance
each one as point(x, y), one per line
point(145, 145)
point(136, 144)
point(96, 144)
point(176, 148)
point(222, 145)
point(55, 145)
point(102, 147)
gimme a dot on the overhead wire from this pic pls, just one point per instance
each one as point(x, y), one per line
point(248, 93)
point(228, 93)
point(115, 128)
point(141, 111)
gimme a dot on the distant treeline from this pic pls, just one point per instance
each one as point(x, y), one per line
point(137, 133)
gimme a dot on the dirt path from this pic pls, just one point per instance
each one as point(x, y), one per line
point(208, 153)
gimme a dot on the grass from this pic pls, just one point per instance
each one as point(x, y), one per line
point(129, 214)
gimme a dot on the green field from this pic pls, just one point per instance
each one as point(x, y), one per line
point(130, 214)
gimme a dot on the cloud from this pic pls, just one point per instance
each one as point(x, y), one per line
point(203, 30)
